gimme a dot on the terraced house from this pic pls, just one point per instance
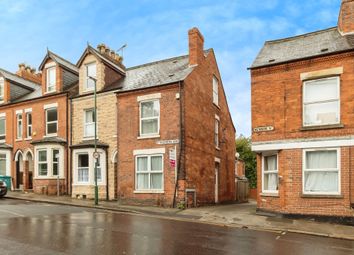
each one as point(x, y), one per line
point(303, 123)
point(34, 125)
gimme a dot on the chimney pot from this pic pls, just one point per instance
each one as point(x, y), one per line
point(196, 46)
point(101, 48)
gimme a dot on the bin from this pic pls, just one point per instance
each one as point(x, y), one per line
point(7, 180)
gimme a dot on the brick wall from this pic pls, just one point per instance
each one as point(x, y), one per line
point(346, 17)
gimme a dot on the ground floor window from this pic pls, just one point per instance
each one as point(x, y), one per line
point(49, 161)
point(149, 172)
point(270, 173)
point(321, 173)
point(84, 167)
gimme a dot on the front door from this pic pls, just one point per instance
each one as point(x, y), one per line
point(19, 173)
point(216, 182)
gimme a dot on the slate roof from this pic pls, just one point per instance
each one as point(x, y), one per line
point(313, 44)
point(90, 144)
point(49, 140)
point(60, 61)
point(19, 80)
point(155, 74)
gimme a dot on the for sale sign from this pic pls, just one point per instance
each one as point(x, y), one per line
point(172, 157)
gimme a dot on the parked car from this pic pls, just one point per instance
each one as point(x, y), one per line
point(3, 188)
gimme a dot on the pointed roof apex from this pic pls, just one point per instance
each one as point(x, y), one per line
point(59, 60)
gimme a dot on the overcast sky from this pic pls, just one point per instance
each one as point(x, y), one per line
point(156, 30)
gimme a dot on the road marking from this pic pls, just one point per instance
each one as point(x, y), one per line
point(8, 211)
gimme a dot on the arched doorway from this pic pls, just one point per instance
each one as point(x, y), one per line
point(28, 183)
point(19, 170)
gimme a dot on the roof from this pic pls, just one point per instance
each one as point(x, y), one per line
point(90, 144)
point(313, 44)
point(93, 51)
point(60, 61)
point(49, 140)
point(154, 74)
point(19, 80)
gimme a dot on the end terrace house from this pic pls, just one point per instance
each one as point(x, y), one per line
point(34, 125)
point(303, 121)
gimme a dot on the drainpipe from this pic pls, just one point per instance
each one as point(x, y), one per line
point(67, 145)
point(107, 195)
point(180, 142)
point(69, 149)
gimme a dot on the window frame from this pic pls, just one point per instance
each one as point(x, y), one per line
point(2, 84)
point(51, 122)
point(270, 172)
point(42, 162)
point(217, 132)
point(91, 123)
point(48, 85)
point(19, 136)
point(3, 135)
point(338, 170)
point(149, 172)
point(215, 90)
point(78, 168)
point(28, 126)
point(5, 159)
point(149, 118)
point(86, 88)
point(55, 162)
point(319, 102)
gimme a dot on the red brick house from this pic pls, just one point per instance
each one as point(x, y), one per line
point(303, 121)
point(176, 139)
point(34, 125)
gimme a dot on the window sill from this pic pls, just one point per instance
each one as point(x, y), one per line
point(217, 148)
point(148, 137)
point(2, 141)
point(88, 184)
point(332, 126)
point(322, 196)
point(216, 105)
point(264, 194)
point(48, 178)
point(28, 138)
point(18, 139)
point(149, 192)
point(51, 135)
point(89, 138)
point(49, 92)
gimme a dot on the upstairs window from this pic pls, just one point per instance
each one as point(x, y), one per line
point(29, 124)
point(215, 91)
point(89, 129)
point(2, 88)
point(51, 121)
point(321, 102)
point(2, 129)
point(51, 79)
point(90, 72)
point(149, 117)
point(19, 126)
point(216, 133)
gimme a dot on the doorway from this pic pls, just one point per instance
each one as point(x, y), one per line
point(217, 166)
point(30, 170)
point(19, 171)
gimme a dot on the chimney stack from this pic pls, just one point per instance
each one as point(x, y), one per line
point(111, 55)
point(28, 73)
point(346, 17)
point(196, 46)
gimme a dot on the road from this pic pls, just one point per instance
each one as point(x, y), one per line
point(39, 228)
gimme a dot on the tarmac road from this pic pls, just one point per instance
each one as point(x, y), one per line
point(40, 228)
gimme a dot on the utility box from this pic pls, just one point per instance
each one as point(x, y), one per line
point(7, 180)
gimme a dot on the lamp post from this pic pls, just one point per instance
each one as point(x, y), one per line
point(95, 154)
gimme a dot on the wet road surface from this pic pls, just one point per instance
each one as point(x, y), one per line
point(39, 228)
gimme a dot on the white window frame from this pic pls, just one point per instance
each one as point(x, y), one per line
point(19, 131)
point(51, 87)
point(90, 123)
point(78, 168)
point(42, 162)
point(51, 122)
point(215, 90)
point(149, 118)
point(305, 83)
point(2, 84)
point(270, 172)
point(338, 169)
point(29, 126)
point(149, 172)
point(217, 132)
point(4, 134)
point(87, 78)
point(55, 162)
point(49, 150)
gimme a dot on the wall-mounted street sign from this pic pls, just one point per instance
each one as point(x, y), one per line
point(263, 129)
point(168, 141)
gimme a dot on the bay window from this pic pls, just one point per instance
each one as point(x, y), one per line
point(55, 162)
point(83, 167)
point(49, 161)
point(321, 171)
point(51, 79)
point(321, 102)
point(51, 121)
point(42, 163)
point(270, 174)
point(149, 172)
point(149, 117)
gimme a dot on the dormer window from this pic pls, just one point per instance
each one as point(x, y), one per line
point(51, 77)
point(90, 72)
point(2, 85)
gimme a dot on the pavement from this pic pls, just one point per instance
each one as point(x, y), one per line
point(232, 215)
point(39, 228)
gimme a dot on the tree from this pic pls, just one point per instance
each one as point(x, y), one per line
point(243, 147)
